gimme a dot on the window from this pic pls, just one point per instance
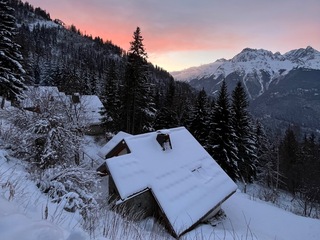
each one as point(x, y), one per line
point(120, 149)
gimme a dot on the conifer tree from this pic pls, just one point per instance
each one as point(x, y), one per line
point(111, 100)
point(138, 104)
point(183, 99)
point(244, 135)
point(267, 168)
point(11, 70)
point(221, 138)
point(309, 187)
point(170, 95)
point(166, 117)
point(199, 125)
point(289, 160)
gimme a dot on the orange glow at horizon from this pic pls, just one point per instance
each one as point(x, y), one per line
point(179, 34)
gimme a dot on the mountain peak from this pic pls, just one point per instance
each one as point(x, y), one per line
point(222, 60)
point(250, 54)
point(251, 61)
point(309, 48)
point(307, 53)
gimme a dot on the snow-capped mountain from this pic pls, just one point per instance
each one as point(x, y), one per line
point(307, 58)
point(257, 68)
point(283, 88)
point(204, 70)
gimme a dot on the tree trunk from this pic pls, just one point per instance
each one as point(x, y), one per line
point(3, 102)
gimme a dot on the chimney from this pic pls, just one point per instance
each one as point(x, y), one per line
point(163, 139)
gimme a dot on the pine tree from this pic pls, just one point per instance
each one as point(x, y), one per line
point(138, 104)
point(267, 168)
point(11, 70)
point(309, 187)
point(199, 125)
point(166, 117)
point(222, 137)
point(244, 135)
point(111, 101)
point(289, 160)
point(183, 101)
point(170, 95)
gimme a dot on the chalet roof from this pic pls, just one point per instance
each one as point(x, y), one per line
point(36, 93)
point(112, 143)
point(186, 182)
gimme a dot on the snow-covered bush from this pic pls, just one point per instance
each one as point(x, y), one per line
point(49, 137)
point(10, 135)
point(72, 187)
point(53, 142)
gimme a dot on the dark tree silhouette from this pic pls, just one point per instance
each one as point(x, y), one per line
point(138, 104)
point(222, 137)
point(244, 135)
point(11, 70)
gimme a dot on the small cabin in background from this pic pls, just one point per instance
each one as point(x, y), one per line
point(37, 97)
point(81, 109)
point(90, 106)
point(166, 174)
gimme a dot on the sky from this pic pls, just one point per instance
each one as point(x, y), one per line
point(183, 33)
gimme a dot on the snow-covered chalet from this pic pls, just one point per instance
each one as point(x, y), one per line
point(167, 174)
point(84, 107)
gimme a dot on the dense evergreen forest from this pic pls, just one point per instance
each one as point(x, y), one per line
point(140, 97)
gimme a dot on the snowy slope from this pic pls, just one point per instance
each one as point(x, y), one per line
point(43, 23)
point(254, 219)
point(205, 70)
point(22, 208)
point(21, 217)
point(308, 57)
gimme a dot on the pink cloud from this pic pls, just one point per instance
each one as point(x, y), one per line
point(188, 25)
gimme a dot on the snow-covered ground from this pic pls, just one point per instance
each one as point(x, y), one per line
point(23, 210)
point(254, 219)
point(27, 213)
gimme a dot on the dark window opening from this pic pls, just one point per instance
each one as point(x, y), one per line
point(102, 170)
point(120, 149)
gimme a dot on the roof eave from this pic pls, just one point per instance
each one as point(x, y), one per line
point(204, 216)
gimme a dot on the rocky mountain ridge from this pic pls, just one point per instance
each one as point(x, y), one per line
point(257, 68)
point(283, 89)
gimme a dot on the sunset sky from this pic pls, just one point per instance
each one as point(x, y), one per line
point(183, 33)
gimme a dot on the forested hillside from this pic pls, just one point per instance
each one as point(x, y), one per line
point(62, 56)
point(283, 89)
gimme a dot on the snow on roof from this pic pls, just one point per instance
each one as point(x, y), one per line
point(91, 107)
point(90, 104)
point(112, 143)
point(186, 182)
